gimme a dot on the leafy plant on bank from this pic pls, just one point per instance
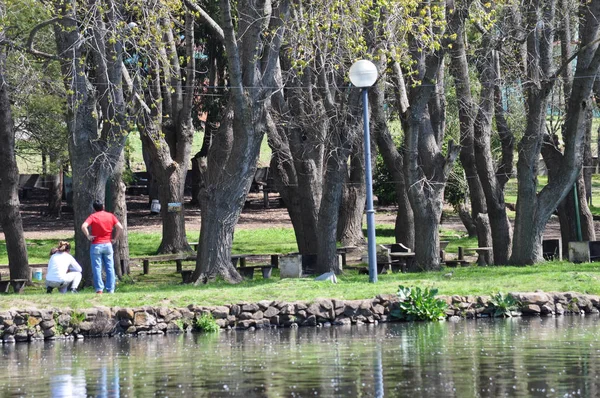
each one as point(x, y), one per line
point(207, 324)
point(76, 319)
point(419, 305)
point(59, 329)
point(504, 304)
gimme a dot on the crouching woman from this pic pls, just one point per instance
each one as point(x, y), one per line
point(64, 272)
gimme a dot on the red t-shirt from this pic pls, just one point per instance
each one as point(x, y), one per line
point(102, 223)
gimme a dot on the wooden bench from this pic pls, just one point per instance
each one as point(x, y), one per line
point(179, 258)
point(456, 263)
point(342, 251)
point(482, 253)
point(247, 271)
point(17, 284)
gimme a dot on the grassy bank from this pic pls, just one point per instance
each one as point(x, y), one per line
point(162, 286)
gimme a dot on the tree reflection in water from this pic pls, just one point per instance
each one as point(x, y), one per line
point(514, 357)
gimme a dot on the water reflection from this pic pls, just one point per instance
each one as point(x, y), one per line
point(489, 358)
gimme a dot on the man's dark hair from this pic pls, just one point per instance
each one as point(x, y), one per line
point(98, 205)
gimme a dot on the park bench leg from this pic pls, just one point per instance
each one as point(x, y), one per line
point(179, 265)
point(266, 272)
point(343, 259)
point(146, 267)
point(461, 253)
point(247, 273)
point(275, 260)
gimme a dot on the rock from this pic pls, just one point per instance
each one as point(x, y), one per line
point(531, 309)
point(47, 324)
point(50, 332)
point(85, 326)
point(547, 309)
point(124, 313)
point(245, 316)
point(258, 315)
point(287, 309)
point(8, 339)
point(220, 312)
point(264, 304)
point(245, 324)
point(250, 308)
point(342, 321)
point(143, 320)
point(162, 326)
point(235, 310)
point(271, 312)
point(64, 320)
point(328, 276)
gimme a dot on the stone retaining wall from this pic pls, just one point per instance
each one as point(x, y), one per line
point(35, 324)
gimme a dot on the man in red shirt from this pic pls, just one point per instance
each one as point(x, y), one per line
point(101, 223)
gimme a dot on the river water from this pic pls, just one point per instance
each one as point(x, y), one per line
point(554, 357)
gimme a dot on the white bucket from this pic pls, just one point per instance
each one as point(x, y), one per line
point(155, 206)
point(36, 274)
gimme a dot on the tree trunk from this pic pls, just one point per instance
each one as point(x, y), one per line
point(467, 219)
point(493, 180)
point(55, 190)
point(404, 229)
point(172, 184)
point(349, 229)
point(427, 241)
point(459, 69)
point(10, 216)
point(119, 208)
point(484, 235)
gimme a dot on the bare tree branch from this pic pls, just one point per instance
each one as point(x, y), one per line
point(207, 20)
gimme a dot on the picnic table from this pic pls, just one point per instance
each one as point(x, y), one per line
point(179, 258)
point(17, 284)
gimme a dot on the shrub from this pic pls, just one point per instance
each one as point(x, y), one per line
point(207, 324)
point(504, 304)
point(76, 319)
point(419, 305)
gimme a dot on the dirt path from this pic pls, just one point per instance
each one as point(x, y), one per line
point(254, 215)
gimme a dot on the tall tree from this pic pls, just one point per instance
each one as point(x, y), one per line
point(252, 33)
point(426, 167)
point(315, 130)
point(10, 216)
point(89, 43)
point(165, 119)
point(534, 209)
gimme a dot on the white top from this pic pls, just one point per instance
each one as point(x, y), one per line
point(58, 266)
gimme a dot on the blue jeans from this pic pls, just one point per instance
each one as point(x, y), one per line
point(103, 253)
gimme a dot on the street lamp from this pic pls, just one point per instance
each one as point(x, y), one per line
point(363, 74)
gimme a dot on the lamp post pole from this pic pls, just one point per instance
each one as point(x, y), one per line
point(369, 182)
point(363, 74)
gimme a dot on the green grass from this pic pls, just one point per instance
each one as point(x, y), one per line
point(162, 286)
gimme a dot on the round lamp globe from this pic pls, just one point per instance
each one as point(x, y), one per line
point(363, 73)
